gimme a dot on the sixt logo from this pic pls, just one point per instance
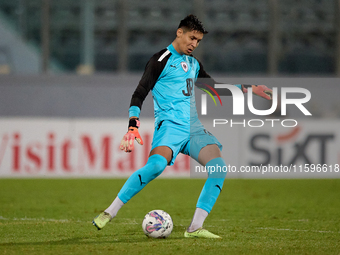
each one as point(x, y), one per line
point(296, 150)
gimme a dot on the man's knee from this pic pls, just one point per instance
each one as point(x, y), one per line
point(156, 164)
point(164, 151)
point(217, 168)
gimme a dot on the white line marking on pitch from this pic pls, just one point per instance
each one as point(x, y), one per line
point(34, 219)
point(297, 230)
point(133, 222)
point(129, 221)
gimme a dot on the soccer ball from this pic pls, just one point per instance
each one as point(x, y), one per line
point(157, 224)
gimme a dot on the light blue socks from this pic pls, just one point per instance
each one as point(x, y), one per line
point(217, 171)
point(139, 179)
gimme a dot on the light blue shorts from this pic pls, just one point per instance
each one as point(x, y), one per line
point(180, 139)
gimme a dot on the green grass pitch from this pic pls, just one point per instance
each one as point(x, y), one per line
point(53, 216)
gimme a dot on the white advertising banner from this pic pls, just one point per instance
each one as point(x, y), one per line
point(49, 148)
point(74, 148)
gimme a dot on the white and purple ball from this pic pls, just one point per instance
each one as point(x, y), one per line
point(157, 224)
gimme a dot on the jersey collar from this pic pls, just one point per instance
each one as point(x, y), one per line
point(172, 49)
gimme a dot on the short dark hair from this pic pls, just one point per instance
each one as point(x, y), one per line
point(192, 23)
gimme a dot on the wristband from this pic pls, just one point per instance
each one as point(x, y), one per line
point(247, 86)
point(134, 123)
point(134, 111)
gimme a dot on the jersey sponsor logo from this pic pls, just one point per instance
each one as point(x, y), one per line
point(185, 66)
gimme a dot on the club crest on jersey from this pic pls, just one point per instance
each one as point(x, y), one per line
point(184, 66)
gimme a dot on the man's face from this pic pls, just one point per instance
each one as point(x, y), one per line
point(188, 41)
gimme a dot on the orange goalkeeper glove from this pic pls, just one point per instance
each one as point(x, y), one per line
point(127, 142)
point(259, 90)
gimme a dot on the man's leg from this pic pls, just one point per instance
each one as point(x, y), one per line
point(210, 157)
point(158, 160)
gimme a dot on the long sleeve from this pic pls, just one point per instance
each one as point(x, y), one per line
point(153, 70)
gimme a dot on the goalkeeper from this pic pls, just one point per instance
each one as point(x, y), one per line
point(169, 75)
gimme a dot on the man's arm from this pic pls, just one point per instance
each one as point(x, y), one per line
point(153, 70)
point(205, 79)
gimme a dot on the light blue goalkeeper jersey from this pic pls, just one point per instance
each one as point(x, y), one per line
point(171, 77)
point(173, 93)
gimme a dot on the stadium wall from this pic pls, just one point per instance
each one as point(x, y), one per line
point(71, 126)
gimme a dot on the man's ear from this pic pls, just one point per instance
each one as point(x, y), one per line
point(179, 32)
